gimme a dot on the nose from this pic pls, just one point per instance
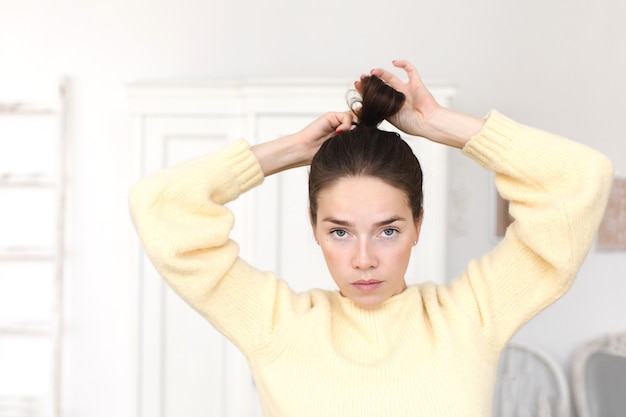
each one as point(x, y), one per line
point(364, 255)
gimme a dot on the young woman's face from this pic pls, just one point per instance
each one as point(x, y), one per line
point(366, 231)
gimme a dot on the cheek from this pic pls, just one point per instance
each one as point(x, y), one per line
point(331, 253)
point(399, 257)
point(336, 257)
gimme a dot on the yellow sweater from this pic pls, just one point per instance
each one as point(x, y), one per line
point(430, 351)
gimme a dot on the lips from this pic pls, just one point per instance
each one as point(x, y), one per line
point(367, 285)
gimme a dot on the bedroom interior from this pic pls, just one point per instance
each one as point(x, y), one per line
point(94, 94)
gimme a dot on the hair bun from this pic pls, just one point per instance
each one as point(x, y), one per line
point(378, 101)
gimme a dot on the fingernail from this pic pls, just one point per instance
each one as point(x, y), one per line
point(338, 131)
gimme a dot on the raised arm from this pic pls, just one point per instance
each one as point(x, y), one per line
point(182, 218)
point(557, 190)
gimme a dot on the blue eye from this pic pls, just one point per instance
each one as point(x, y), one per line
point(389, 232)
point(340, 233)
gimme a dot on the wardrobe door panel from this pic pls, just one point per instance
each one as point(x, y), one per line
point(183, 360)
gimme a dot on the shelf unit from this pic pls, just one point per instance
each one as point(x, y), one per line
point(32, 196)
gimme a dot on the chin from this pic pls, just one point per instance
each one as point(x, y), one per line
point(369, 302)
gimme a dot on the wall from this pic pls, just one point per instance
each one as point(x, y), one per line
point(556, 65)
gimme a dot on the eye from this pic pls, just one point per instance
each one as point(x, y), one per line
point(339, 233)
point(389, 232)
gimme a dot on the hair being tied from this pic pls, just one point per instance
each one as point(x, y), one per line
point(378, 101)
point(368, 150)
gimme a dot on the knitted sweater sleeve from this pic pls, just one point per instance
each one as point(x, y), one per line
point(557, 191)
point(181, 217)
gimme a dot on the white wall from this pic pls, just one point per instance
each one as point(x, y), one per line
point(557, 65)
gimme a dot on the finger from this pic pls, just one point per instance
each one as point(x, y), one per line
point(342, 121)
point(358, 85)
point(354, 119)
point(410, 70)
point(388, 77)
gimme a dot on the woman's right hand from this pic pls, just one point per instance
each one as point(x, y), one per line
point(298, 149)
point(321, 129)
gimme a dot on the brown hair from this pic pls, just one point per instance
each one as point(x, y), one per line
point(369, 151)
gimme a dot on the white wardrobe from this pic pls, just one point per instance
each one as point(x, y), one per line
point(184, 368)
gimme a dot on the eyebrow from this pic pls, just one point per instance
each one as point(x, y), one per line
point(350, 224)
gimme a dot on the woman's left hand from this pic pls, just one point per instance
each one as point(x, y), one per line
point(421, 115)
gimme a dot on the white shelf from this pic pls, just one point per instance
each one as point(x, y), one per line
point(27, 253)
point(26, 328)
point(26, 179)
point(20, 406)
point(32, 147)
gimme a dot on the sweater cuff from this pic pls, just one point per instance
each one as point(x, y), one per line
point(489, 145)
point(243, 164)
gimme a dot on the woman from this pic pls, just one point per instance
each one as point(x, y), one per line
point(376, 347)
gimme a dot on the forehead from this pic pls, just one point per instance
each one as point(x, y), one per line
point(362, 196)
